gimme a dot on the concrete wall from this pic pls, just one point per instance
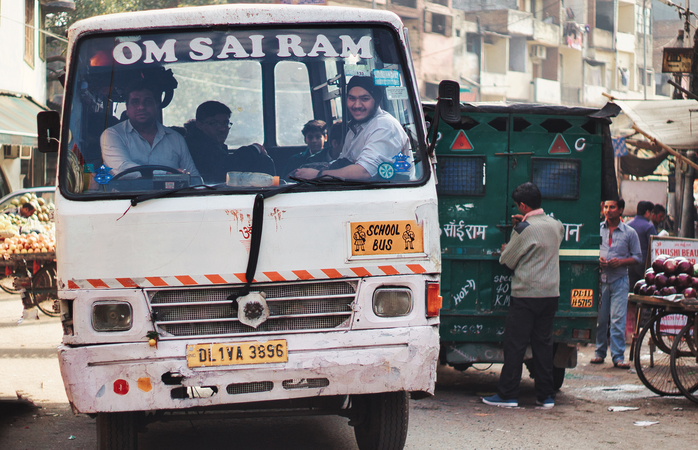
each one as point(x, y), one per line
point(15, 74)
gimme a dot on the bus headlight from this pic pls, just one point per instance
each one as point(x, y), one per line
point(111, 316)
point(392, 302)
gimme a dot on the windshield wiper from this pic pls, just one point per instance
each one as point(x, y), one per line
point(162, 194)
point(333, 180)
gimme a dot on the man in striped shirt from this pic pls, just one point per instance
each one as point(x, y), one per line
point(533, 255)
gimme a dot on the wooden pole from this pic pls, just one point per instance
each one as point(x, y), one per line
point(678, 155)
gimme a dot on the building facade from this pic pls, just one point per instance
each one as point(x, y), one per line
point(23, 72)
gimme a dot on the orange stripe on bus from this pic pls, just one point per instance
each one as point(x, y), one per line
point(303, 274)
point(332, 273)
point(360, 271)
point(127, 282)
point(186, 280)
point(274, 276)
point(72, 285)
point(98, 283)
point(156, 281)
point(389, 270)
point(215, 279)
point(416, 268)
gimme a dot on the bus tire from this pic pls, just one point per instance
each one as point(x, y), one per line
point(385, 422)
point(117, 431)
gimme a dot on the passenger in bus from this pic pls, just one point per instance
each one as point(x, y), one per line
point(374, 137)
point(206, 135)
point(335, 139)
point(314, 135)
point(142, 140)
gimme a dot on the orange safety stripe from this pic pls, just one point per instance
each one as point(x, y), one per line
point(416, 268)
point(98, 283)
point(127, 282)
point(389, 270)
point(303, 274)
point(293, 275)
point(186, 280)
point(274, 276)
point(216, 279)
point(360, 271)
point(156, 281)
point(332, 273)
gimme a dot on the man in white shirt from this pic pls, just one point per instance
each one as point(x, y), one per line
point(142, 140)
point(374, 136)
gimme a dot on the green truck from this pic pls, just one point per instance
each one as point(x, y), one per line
point(568, 153)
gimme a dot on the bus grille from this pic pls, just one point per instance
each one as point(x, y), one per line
point(292, 307)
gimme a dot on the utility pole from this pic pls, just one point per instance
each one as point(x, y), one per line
point(684, 174)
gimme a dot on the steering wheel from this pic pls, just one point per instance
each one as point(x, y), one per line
point(146, 171)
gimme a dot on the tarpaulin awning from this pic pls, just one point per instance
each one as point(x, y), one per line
point(18, 119)
point(672, 122)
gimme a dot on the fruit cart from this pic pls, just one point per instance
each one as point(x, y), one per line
point(33, 275)
point(664, 350)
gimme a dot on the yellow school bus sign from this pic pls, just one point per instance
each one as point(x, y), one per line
point(386, 238)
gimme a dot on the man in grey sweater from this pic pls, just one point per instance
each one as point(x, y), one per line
point(533, 255)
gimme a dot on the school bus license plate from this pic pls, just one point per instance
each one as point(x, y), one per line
point(230, 354)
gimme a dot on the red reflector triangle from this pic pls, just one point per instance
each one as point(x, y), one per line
point(559, 146)
point(461, 142)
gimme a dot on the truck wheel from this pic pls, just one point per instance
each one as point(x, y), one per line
point(117, 431)
point(385, 421)
point(558, 377)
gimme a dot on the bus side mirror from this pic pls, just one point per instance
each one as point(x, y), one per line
point(447, 109)
point(49, 127)
point(449, 101)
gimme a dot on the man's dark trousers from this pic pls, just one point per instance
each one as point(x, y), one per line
point(529, 320)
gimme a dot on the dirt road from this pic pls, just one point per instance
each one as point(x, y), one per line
point(453, 419)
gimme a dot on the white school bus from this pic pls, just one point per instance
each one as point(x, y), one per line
point(184, 290)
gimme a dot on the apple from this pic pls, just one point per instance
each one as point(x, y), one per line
point(651, 289)
point(690, 293)
point(670, 290)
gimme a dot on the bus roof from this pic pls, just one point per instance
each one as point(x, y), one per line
point(232, 14)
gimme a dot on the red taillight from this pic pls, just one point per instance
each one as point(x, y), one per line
point(434, 300)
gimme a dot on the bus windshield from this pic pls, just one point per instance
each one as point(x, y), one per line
point(239, 110)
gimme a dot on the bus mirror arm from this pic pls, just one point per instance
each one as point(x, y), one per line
point(447, 109)
point(48, 124)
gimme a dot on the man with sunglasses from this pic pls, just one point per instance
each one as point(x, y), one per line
point(206, 137)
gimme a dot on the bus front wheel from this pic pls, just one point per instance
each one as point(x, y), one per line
point(384, 421)
point(117, 431)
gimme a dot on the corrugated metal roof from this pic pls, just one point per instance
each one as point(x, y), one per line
point(18, 119)
point(672, 122)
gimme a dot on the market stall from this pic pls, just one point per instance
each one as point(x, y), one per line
point(665, 349)
point(27, 253)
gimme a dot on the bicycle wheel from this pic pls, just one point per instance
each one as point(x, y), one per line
point(7, 284)
point(684, 362)
point(652, 364)
point(47, 302)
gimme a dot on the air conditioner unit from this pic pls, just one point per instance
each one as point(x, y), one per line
point(10, 151)
point(539, 52)
point(25, 152)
